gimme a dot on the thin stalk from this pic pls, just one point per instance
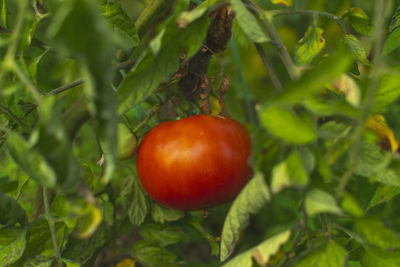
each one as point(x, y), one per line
point(243, 84)
point(271, 72)
point(65, 87)
point(377, 63)
point(51, 222)
point(12, 116)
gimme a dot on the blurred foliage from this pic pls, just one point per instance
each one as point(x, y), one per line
point(316, 84)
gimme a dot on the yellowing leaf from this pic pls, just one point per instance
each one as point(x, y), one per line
point(310, 45)
point(89, 222)
point(126, 263)
point(282, 2)
point(378, 125)
point(346, 85)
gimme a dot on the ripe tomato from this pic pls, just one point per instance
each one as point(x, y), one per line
point(194, 163)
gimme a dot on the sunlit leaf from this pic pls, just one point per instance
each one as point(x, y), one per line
point(89, 221)
point(383, 194)
point(392, 42)
point(378, 257)
point(332, 254)
point(161, 234)
point(261, 253)
point(12, 245)
point(388, 91)
point(282, 2)
point(350, 205)
point(289, 173)
point(310, 45)
point(349, 87)
point(126, 263)
point(248, 22)
point(376, 233)
point(250, 200)
point(318, 201)
point(283, 123)
point(378, 125)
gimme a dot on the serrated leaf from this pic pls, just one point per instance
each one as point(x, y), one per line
point(356, 48)
point(282, 123)
point(120, 22)
point(376, 233)
point(81, 251)
point(282, 2)
point(310, 45)
point(30, 161)
point(12, 245)
point(154, 255)
point(359, 20)
point(248, 23)
point(135, 201)
point(388, 91)
point(162, 214)
point(153, 70)
point(161, 234)
point(314, 80)
point(261, 253)
point(289, 173)
point(250, 200)
point(318, 201)
point(332, 255)
point(383, 194)
point(373, 257)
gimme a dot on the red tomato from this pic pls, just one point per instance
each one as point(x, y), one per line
point(194, 163)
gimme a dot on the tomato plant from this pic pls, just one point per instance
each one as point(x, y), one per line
point(195, 163)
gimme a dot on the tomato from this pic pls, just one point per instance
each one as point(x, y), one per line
point(127, 142)
point(194, 163)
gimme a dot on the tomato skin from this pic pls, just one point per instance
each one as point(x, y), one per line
point(194, 163)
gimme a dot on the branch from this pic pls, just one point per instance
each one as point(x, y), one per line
point(65, 87)
point(12, 116)
point(274, 78)
point(53, 232)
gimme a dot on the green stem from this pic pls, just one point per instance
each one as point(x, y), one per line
point(377, 62)
point(12, 116)
point(271, 72)
point(51, 222)
point(243, 84)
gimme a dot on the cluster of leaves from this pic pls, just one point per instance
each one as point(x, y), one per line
point(325, 160)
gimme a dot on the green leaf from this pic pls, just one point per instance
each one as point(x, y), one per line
point(310, 45)
point(30, 161)
point(154, 255)
point(383, 194)
point(373, 257)
point(359, 20)
point(318, 201)
point(120, 22)
point(12, 245)
point(376, 233)
point(153, 70)
point(161, 234)
point(388, 91)
point(332, 255)
point(10, 211)
point(395, 23)
point(350, 205)
point(290, 172)
point(356, 48)
point(135, 201)
point(248, 23)
point(54, 145)
point(314, 80)
point(261, 253)
point(162, 214)
point(4, 13)
point(392, 42)
point(250, 200)
point(283, 123)
point(79, 30)
point(81, 251)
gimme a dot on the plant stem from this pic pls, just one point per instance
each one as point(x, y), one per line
point(271, 72)
point(377, 62)
point(50, 220)
point(12, 116)
point(65, 87)
point(243, 84)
